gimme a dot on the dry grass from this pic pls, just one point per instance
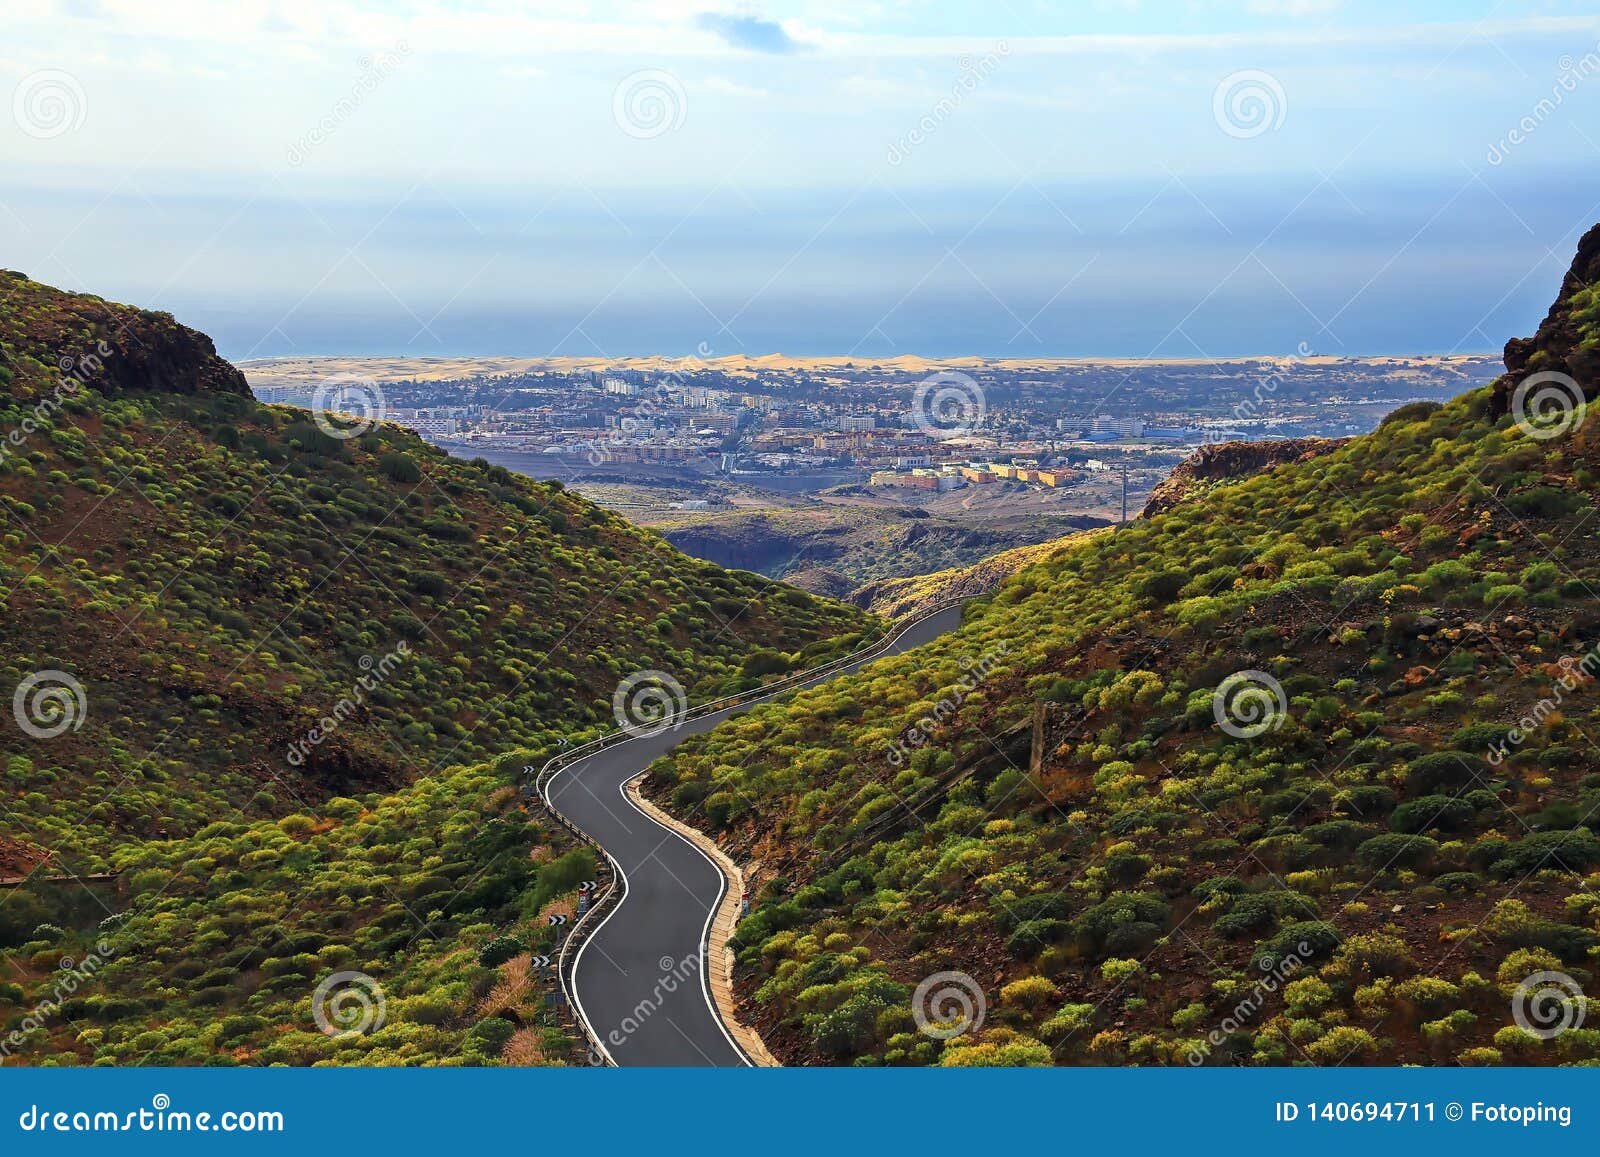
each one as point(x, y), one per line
point(525, 1049)
point(510, 992)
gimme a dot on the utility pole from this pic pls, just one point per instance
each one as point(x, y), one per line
point(1124, 521)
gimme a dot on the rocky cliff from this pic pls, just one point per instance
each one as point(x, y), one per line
point(1568, 340)
point(49, 338)
point(1230, 462)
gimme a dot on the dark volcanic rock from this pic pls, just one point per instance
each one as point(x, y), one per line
point(158, 353)
point(49, 336)
point(1560, 343)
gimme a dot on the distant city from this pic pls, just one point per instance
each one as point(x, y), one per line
point(907, 425)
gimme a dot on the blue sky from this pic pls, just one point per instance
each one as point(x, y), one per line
point(1007, 178)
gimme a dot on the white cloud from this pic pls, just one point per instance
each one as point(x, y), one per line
point(655, 30)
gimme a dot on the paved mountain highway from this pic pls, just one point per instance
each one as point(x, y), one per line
point(639, 980)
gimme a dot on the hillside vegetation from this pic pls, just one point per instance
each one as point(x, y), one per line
point(1318, 780)
point(218, 574)
point(260, 664)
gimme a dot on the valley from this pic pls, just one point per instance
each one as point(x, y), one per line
point(282, 677)
point(668, 577)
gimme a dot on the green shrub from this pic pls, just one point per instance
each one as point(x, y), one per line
point(1163, 586)
point(398, 467)
point(1343, 1045)
point(1543, 502)
point(489, 1036)
point(1448, 771)
point(1459, 883)
point(1572, 851)
point(1447, 813)
point(1411, 412)
point(1122, 922)
point(499, 950)
point(1392, 852)
point(1304, 940)
point(1258, 911)
point(1031, 936)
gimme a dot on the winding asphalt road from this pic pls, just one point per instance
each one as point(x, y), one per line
point(639, 980)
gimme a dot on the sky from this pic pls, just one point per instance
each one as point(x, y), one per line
point(1213, 178)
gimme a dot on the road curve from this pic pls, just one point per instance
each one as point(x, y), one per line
point(640, 980)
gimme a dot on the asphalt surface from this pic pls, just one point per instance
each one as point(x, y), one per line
point(639, 980)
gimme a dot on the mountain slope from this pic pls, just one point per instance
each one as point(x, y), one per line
point(220, 575)
point(1315, 778)
point(256, 664)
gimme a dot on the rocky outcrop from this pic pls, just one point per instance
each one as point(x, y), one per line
point(1568, 340)
point(18, 858)
point(49, 337)
point(1230, 462)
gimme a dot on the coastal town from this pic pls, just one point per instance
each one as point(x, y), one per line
point(800, 425)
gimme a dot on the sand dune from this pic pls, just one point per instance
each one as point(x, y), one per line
point(307, 371)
